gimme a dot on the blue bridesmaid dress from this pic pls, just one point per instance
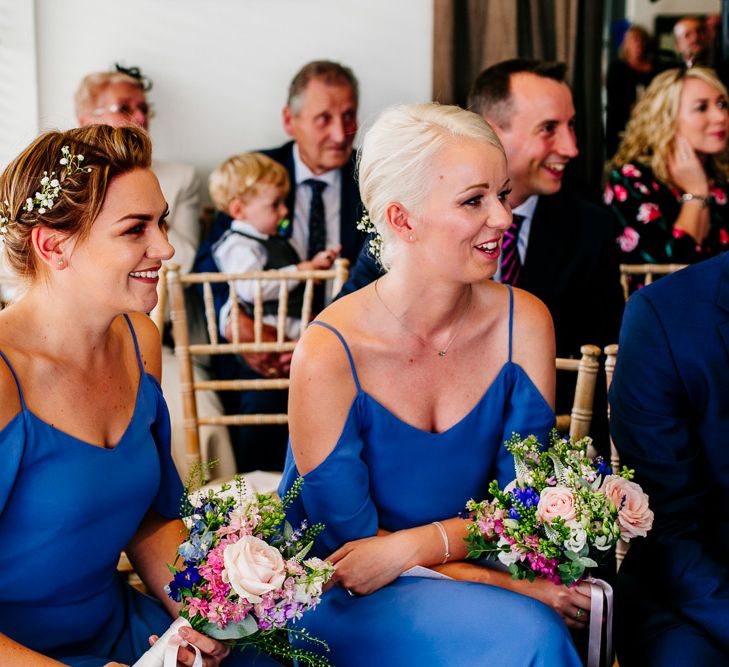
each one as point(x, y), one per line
point(67, 509)
point(385, 473)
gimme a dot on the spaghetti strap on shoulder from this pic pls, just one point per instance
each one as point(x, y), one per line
point(346, 349)
point(136, 344)
point(15, 377)
point(511, 317)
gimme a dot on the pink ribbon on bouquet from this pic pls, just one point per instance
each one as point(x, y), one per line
point(163, 653)
point(600, 592)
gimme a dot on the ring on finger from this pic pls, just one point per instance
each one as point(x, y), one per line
point(579, 613)
point(351, 594)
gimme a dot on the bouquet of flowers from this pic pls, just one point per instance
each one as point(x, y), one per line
point(561, 515)
point(244, 576)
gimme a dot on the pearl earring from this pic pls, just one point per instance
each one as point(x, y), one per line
point(410, 238)
point(60, 262)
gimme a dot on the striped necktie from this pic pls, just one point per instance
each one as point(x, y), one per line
point(510, 260)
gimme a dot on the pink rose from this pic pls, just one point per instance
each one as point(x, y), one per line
point(556, 502)
point(620, 192)
point(635, 518)
point(648, 212)
point(608, 195)
point(719, 196)
point(253, 568)
point(628, 240)
point(630, 171)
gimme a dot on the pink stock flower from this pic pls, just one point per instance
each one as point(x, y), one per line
point(628, 240)
point(197, 606)
point(634, 516)
point(719, 196)
point(648, 212)
point(608, 195)
point(556, 502)
point(620, 193)
point(630, 171)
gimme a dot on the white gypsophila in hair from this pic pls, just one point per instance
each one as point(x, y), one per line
point(375, 243)
point(44, 199)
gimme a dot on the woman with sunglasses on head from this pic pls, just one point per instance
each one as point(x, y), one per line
point(84, 430)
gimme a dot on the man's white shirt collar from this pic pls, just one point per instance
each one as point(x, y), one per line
point(303, 172)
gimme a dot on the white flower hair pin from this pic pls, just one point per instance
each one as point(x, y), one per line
point(51, 186)
point(375, 243)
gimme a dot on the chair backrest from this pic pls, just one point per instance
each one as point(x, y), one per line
point(159, 311)
point(186, 351)
point(630, 273)
point(611, 356)
point(578, 422)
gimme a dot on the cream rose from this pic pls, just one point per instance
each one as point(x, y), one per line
point(635, 518)
point(556, 502)
point(252, 568)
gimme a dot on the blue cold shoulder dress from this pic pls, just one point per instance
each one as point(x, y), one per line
point(385, 473)
point(67, 509)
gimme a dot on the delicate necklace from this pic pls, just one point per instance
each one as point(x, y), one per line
point(444, 351)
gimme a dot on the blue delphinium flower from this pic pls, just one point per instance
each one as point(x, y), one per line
point(527, 497)
point(514, 514)
point(602, 467)
point(186, 578)
point(173, 590)
point(196, 548)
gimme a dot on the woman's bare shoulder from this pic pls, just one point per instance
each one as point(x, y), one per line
point(150, 343)
point(323, 347)
point(9, 393)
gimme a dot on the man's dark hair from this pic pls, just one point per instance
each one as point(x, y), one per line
point(491, 91)
point(328, 71)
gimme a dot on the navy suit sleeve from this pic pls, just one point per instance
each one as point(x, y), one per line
point(655, 433)
point(365, 271)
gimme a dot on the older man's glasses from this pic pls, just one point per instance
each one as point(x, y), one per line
point(125, 110)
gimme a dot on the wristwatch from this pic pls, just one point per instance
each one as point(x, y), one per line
point(690, 196)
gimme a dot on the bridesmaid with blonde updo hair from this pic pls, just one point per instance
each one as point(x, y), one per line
point(402, 395)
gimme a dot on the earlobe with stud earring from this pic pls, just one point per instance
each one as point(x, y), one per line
point(410, 237)
point(61, 262)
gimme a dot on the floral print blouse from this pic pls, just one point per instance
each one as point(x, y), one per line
point(647, 209)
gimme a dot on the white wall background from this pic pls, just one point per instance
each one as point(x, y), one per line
point(220, 68)
point(643, 12)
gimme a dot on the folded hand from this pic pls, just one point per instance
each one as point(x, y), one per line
point(366, 565)
point(213, 652)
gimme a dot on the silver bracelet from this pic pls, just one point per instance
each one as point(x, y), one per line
point(444, 535)
point(690, 196)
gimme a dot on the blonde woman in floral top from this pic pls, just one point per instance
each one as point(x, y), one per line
point(669, 181)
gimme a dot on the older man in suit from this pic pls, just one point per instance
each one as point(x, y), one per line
point(324, 206)
point(321, 117)
point(670, 419)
